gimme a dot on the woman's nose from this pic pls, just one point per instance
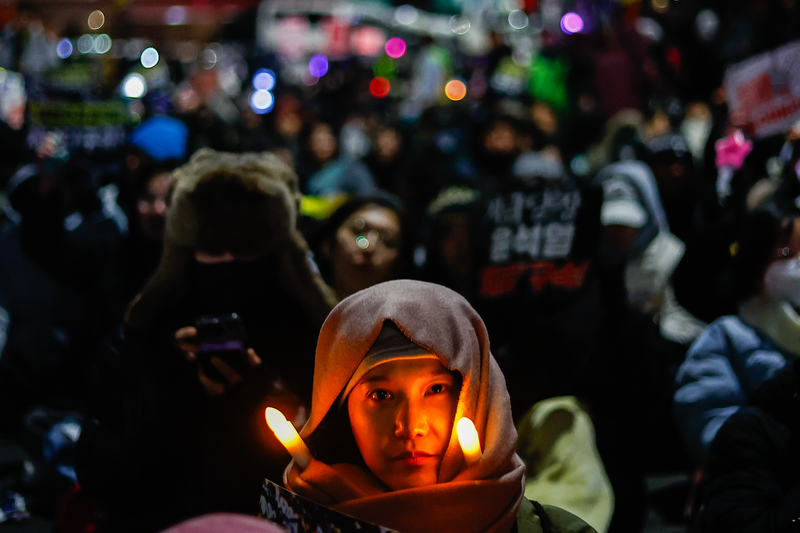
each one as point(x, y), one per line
point(411, 421)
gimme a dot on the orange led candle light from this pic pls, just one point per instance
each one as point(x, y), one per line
point(468, 439)
point(287, 434)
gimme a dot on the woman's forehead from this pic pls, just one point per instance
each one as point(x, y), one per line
point(412, 367)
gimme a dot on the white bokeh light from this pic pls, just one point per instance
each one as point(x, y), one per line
point(406, 14)
point(134, 85)
point(262, 101)
point(149, 57)
point(102, 43)
point(85, 43)
point(518, 19)
point(459, 24)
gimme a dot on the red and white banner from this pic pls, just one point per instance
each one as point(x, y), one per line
point(764, 91)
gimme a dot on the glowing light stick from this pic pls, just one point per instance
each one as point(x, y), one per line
point(468, 439)
point(287, 434)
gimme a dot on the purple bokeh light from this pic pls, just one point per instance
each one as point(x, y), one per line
point(318, 65)
point(571, 23)
point(395, 47)
point(64, 48)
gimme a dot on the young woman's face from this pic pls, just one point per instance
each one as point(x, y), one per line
point(366, 250)
point(402, 416)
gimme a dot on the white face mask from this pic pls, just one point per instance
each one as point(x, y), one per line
point(782, 280)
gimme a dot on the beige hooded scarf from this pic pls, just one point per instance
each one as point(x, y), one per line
point(484, 497)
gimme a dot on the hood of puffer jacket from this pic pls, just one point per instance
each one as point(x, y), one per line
point(245, 204)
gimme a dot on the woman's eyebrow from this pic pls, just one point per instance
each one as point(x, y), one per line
point(374, 379)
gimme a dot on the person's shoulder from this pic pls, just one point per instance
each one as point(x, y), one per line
point(728, 332)
point(566, 522)
point(555, 520)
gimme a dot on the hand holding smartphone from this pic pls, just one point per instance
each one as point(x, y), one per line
point(223, 337)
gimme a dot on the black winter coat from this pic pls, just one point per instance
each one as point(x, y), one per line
point(754, 463)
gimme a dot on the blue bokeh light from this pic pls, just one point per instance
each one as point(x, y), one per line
point(64, 48)
point(264, 80)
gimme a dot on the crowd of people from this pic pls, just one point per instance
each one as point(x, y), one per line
point(590, 255)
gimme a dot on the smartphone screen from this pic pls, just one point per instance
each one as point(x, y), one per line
point(221, 336)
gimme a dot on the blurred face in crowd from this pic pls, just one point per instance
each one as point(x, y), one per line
point(402, 416)
point(501, 139)
point(672, 175)
point(387, 144)
point(323, 143)
point(545, 118)
point(287, 117)
point(782, 275)
point(455, 249)
point(365, 250)
point(152, 205)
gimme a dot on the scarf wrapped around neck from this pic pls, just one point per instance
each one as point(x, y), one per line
point(483, 497)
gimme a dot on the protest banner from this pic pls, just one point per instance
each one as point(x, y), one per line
point(764, 91)
point(300, 515)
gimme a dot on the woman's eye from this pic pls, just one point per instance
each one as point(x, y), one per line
point(438, 388)
point(380, 395)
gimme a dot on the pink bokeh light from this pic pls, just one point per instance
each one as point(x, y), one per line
point(571, 23)
point(395, 47)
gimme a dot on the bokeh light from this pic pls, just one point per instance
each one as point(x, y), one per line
point(264, 80)
point(707, 24)
point(395, 47)
point(149, 57)
point(459, 24)
point(385, 67)
point(518, 19)
point(367, 40)
point(406, 14)
point(134, 85)
point(455, 90)
point(262, 102)
point(175, 15)
point(379, 87)
point(85, 43)
point(308, 79)
point(208, 58)
point(571, 23)
point(64, 48)
point(318, 65)
point(102, 43)
point(660, 6)
point(96, 20)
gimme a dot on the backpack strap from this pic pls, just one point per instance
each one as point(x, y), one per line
point(547, 525)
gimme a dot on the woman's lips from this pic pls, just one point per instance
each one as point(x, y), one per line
point(414, 458)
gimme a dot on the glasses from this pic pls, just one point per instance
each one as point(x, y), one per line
point(366, 235)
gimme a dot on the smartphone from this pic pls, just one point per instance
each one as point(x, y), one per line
point(221, 336)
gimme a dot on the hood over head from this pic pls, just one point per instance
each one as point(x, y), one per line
point(442, 323)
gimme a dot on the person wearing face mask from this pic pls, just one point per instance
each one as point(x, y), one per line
point(735, 354)
point(180, 428)
point(637, 237)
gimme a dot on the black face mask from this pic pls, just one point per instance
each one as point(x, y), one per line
point(233, 286)
point(610, 257)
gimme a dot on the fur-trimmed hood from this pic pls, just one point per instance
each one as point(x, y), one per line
point(246, 204)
